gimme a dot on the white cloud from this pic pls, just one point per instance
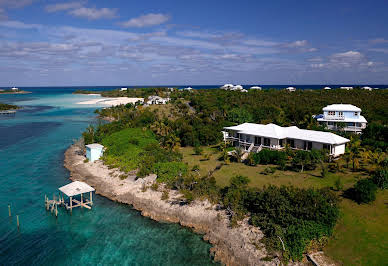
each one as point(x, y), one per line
point(14, 24)
point(146, 21)
point(63, 6)
point(297, 44)
point(15, 3)
point(94, 13)
point(347, 59)
point(379, 50)
point(3, 15)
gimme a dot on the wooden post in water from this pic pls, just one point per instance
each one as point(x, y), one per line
point(71, 205)
point(56, 210)
point(17, 221)
point(91, 198)
point(9, 210)
point(81, 201)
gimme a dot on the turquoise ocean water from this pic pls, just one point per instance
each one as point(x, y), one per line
point(32, 144)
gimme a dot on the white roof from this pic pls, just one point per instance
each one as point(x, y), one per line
point(278, 132)
point(346, 88)
point(255, 88)
point(76, 188)
point(291, 89)
point(327, 88)
point(95, 146)
point(342, 107)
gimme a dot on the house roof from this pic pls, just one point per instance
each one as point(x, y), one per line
point(76, 188)
point(342, 107)
point(255, 88)
point(95, 146)
point(278, 132)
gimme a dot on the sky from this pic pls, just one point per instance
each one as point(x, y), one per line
point(90, 43)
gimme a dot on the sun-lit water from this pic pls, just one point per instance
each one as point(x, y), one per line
point(32, 144)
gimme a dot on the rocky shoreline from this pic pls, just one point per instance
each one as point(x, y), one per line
point(240, 245)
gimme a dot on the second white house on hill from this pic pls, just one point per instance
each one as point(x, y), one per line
point(254, 137)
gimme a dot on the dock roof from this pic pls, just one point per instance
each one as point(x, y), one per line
point(76, 188)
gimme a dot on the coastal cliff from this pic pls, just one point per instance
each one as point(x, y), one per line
point(240, 245)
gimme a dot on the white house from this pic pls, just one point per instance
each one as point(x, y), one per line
point(290, 89)
point(227, 86)
point(367, 88)
point(157, 100)
point(94, 151)
point(254, 137)
point(255, 88)
point(123, 89)
point(342, 113)
point(14, 89)
point(188, 89)
point(346, 88)
point(327, 88)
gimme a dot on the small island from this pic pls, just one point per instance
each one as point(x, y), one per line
point(8, 108)
point(13, 91)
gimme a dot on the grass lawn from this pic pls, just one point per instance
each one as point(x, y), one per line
point(361, 234)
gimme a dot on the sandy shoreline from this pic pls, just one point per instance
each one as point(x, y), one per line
point(110, 101)
point(232, 246)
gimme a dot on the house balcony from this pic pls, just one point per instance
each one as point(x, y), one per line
point(334, 117)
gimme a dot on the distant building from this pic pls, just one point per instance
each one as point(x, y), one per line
point(123, 89)
point(15, 89)
point(255, 88)
point(346, 88)
point(345, 117)
point(227, 86)
point(188, 89)
point(94, 151)
point(254, 137)
point(290, 89)
point(157, 100)
point(367, 88)
point(327, 88)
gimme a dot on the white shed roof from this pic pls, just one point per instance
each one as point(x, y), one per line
point(278, 132)
point(342, 107)
point(95, 146)
point(76, 188)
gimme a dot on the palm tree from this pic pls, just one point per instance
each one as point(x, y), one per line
point(355, 153)
point(238, 153)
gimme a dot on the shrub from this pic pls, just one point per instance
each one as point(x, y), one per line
point(295, 215)
point(169, 171)
point(365, 191)
point(266, 156)
point(338, 184)
point(268, 171)
point(195, 168)
point(165, 194)
point(380, 178)
point(155, 186)
point(198, 150)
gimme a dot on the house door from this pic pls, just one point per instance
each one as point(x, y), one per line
point(257, 141)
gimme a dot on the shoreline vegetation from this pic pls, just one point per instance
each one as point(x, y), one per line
point(297, 199)
point(14, 92)
point(6, 107)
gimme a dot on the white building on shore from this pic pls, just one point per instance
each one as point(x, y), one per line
point(346, 88)
point(344, 117)
point(255, 88)
point(291, 89)
point(254, 137)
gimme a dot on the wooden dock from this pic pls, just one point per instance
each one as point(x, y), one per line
point(7, 112)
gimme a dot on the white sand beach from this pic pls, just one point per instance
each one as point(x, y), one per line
point(111, 101)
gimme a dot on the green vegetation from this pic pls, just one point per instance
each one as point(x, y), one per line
point(295, 197)
point(4, 107)
point(136, 92)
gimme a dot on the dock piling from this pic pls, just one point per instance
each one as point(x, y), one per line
point(9, 210)
point(17, 221)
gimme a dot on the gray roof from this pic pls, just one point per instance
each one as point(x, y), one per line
point(95, 146)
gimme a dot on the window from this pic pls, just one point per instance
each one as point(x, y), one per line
point(340, 113)
point(281, 143)
point(257, 141)
point(331, 113)
point(291, 142)
point(356, 113)
point(267, 142)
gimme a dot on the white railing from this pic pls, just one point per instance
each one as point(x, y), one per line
point(334, 117)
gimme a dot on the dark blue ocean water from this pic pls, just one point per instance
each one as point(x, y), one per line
point(32, 144)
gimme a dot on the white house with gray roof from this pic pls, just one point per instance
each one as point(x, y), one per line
point(345, 117)
point(253, 137)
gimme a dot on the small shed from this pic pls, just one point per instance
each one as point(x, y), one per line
point(94, 151)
